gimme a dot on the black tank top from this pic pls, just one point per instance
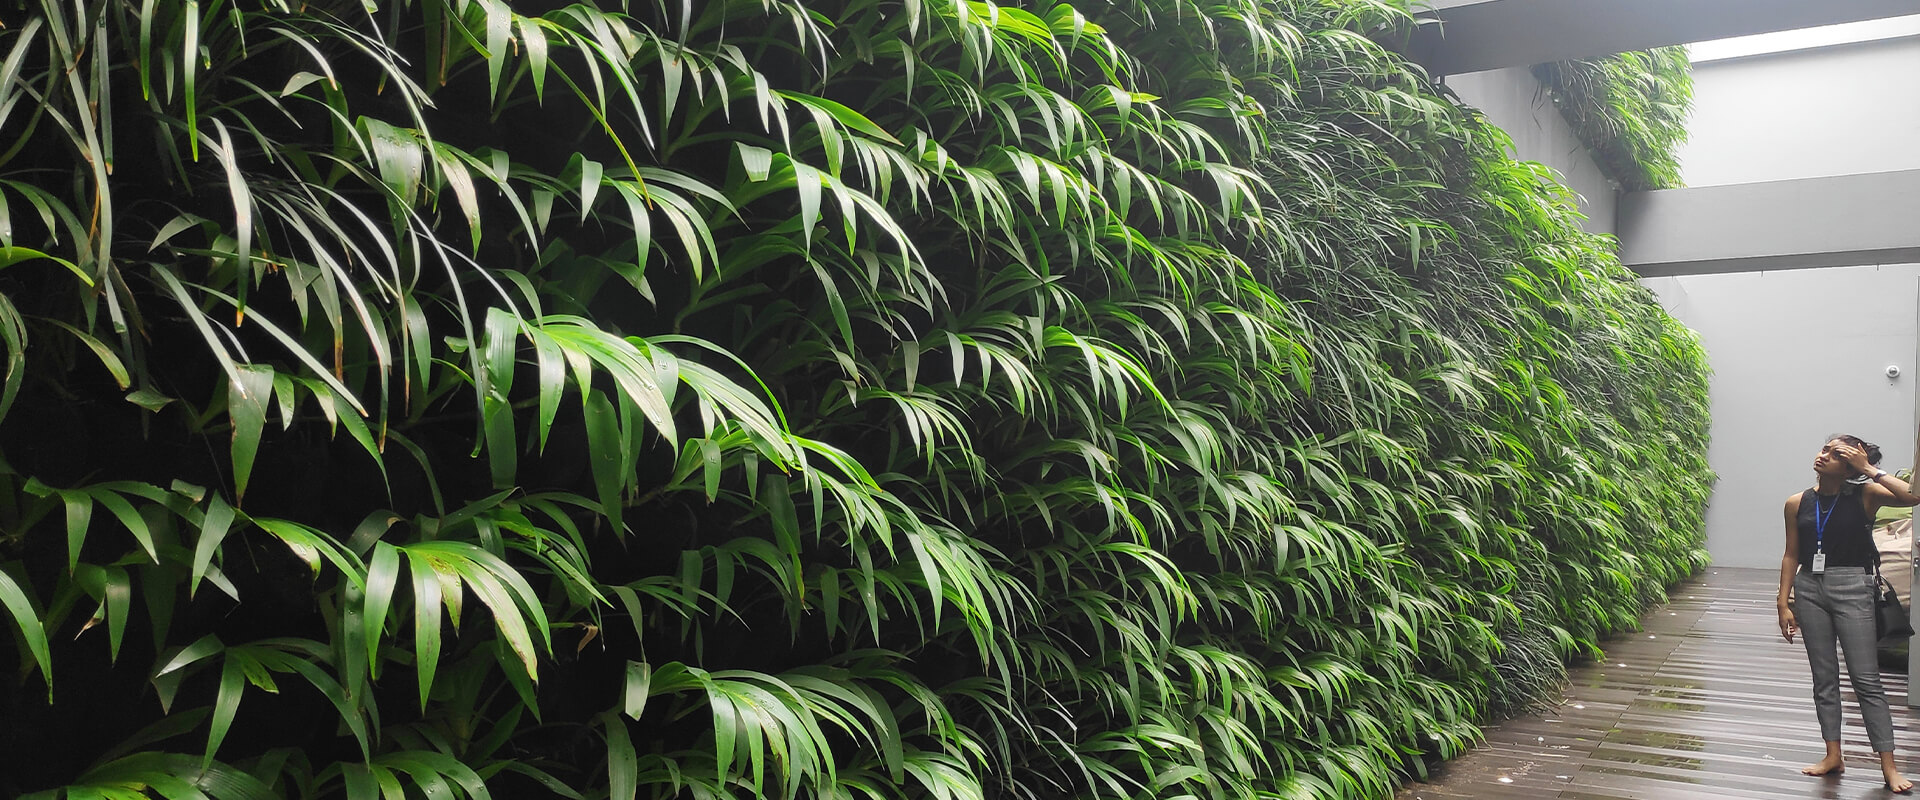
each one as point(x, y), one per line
point(1848, 541)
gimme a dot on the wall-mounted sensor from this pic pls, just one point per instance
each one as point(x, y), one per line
point(1893, 370)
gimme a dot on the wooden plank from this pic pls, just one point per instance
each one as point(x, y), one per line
point(1706, 702)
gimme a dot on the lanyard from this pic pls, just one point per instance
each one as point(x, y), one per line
point(1820, 519)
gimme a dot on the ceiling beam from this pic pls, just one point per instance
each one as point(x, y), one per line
point(1839, 221)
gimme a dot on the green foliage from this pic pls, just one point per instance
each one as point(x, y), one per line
point(860, 399)
point(1629, 109)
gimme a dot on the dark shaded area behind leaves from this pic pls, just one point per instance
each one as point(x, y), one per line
point(851, 399)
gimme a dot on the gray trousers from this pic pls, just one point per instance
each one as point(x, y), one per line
point(1839, 606)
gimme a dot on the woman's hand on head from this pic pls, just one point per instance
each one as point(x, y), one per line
point(1854, 457)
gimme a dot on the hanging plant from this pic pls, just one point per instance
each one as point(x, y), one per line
point(1629, 109)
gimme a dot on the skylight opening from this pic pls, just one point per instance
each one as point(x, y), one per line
point(1872, 30)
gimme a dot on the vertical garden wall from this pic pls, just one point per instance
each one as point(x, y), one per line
point(829, 399)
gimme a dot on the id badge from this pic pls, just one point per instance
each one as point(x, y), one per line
point(1819, 563)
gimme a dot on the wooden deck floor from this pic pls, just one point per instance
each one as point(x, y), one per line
point(1707, 702)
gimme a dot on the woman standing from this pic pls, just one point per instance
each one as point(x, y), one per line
point(1827, 590)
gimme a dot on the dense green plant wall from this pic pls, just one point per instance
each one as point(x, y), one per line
point(858, 399)
point(1629, 109)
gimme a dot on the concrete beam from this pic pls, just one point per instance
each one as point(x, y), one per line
point(1472, 35)
point(1841, 221)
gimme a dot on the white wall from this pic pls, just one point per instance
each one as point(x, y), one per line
point(1787, 368)
point(1514, 101)
point(1837, 110)
point(1796, 356)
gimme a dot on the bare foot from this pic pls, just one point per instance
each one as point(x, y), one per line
point(1831, 765)
point(1895, 781)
